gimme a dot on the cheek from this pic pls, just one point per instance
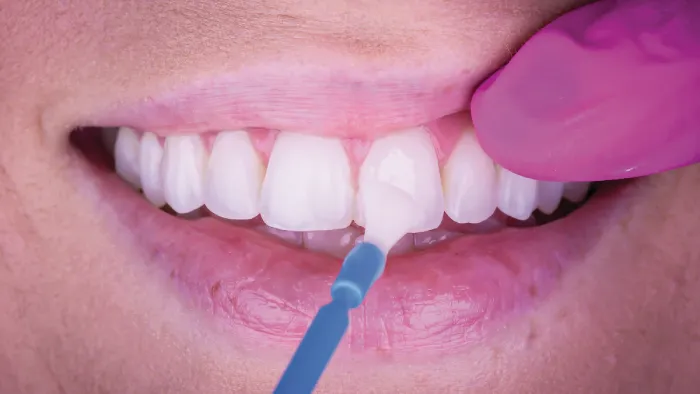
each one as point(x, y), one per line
point(630, 323)
point(641, 310)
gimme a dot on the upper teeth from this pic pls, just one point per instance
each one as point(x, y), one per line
point(183, 166)
point(310, 185)
point(233, 177)
point(470, 182)
point(151, 180)
point(407, 161)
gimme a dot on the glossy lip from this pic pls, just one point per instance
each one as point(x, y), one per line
point(346, 104)
point(438, 301)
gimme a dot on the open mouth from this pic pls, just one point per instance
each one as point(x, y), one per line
point(251, 225)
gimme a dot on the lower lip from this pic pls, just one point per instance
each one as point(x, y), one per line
point(441, 300)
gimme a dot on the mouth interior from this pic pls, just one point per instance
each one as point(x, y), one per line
point(98, 144)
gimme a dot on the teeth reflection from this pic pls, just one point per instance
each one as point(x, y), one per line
point(334, 242)
point(292, 237)
point(430, 238)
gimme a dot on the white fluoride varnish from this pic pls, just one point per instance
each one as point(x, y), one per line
point(389, 216)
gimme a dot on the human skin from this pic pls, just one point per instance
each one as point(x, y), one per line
point(83, 311)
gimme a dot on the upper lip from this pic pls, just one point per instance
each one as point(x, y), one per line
point(345, 104)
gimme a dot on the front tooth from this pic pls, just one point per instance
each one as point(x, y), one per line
point(406, 161)
point(151, 158)
point(234, 175)
point(307, 186)
point(548, 196)
point(517, 195)
point(126, 156)
point(470, 182)
point(184, 163)
point(576, 191)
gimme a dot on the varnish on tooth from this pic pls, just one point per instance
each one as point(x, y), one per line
point(406, 161)
point(390, 213)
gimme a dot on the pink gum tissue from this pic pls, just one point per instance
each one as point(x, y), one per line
point(444, 134)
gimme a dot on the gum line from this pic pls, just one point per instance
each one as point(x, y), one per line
point(337, 243)
point(444, 134)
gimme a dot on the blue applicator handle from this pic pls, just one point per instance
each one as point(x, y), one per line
point(361, 268)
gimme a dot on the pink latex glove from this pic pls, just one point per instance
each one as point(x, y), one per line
point(608, 91)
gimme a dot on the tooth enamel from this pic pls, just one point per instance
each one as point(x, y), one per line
point(184, 162)
point(307, 186)
point(126, 156)
point(470, 182)
point(151, 157)
point(517, 195)
point(549, 196)
point(407, 161)
point(576, 191)
point(234, 175)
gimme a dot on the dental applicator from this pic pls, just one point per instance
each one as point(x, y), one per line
point(385, 224)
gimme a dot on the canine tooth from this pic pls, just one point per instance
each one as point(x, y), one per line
point(429, 238)
point(470, 182)
point(576, 191)
point(407, 161)
point(126, 156)
point(307, 186)
point(517, 195)
point(234, 176)
point(184, 162)
point(549, 196)
point(151, 179)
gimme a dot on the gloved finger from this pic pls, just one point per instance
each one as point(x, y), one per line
point(608, 91)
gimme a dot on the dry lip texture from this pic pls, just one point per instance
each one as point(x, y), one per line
point(438, 301)
point(342, 104)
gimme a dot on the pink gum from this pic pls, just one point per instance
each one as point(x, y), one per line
point(444, 134)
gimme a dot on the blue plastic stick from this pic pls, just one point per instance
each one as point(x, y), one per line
point(361, 268)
